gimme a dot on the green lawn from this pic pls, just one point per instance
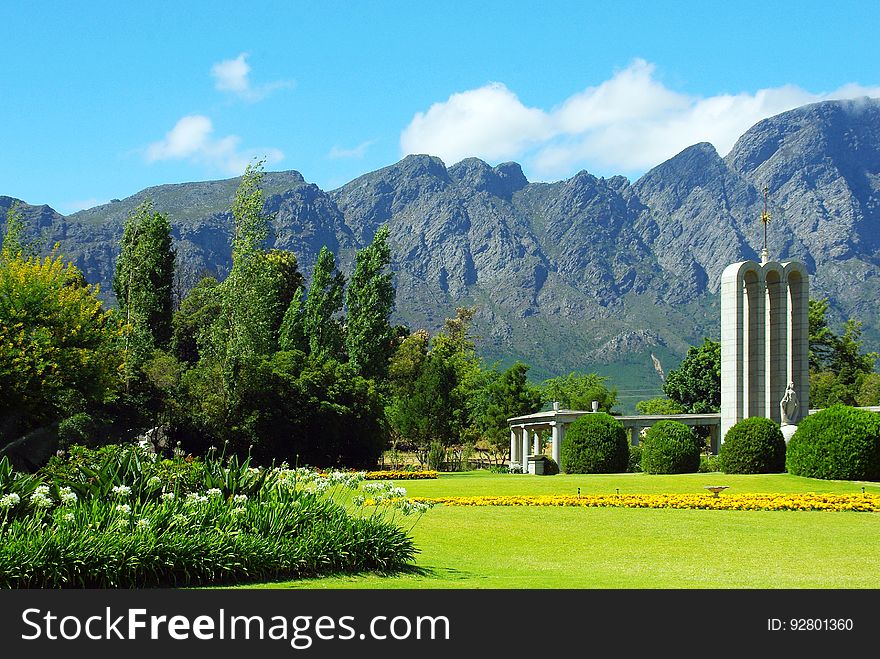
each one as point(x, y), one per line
point(515, 547)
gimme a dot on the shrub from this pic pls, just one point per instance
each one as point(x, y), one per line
point(595, 443)
point(753, 446)
point(839, 442)
point(635, 459)
point(77, 429)
point(709, 463)
point(550, 466)
point(670, 447)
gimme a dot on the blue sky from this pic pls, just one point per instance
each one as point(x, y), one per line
point(104, 99)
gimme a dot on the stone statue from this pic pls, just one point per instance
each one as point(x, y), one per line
point(788, 406)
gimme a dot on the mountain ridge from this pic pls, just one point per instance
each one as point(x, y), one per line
point(582, 273)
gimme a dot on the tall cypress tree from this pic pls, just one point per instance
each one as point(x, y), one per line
point(370, 301)
point(323, 303)
point(144, 280)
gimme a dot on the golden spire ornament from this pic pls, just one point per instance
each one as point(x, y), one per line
point(765, 220)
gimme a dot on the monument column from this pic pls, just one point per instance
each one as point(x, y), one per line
point(556, 440)
point(525, 450)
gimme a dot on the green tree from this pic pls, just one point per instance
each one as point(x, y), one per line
point(696, 384)
point(60, 350)
point(193, 321)
point(508, 395)
point(292, 334)
point(838, 367)
point(369, 304)
point(577, 391)
point(143, 282)
point(285, 283)
point(659, 406)
point(322, 307)
point(249, 293)
point(822, 341)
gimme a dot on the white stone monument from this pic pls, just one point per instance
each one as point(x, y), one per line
point(764, 340)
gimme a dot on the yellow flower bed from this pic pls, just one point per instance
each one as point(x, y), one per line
point(834, 502)
point(399, 475)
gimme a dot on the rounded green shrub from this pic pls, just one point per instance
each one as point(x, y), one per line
point(595, 444)
point(670, 447)
point(753, 446)
point(840, 442)
point(550, 466)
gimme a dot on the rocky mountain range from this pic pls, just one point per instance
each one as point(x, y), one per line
point(589, 274)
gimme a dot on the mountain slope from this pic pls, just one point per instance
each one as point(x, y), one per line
point(586, 273)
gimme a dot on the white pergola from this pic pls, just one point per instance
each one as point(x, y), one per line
point(525, 431)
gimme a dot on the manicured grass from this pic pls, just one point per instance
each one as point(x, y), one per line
point(505, 547)
point(478, 483)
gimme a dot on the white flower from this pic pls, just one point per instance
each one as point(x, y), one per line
point(124, 508)
point(214, 492)
point(359, 500)
point(68, 496)
point(398, 492)
point(194, 498)
point(69, 517)
point(154, 481)
point(240, 498)
point(40, 497)
point(9, 500)
point(143, 523)
point(238, 511)
point(121, 490)
point(167, 496)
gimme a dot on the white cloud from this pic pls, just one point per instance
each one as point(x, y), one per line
point(489, 122)
point(627, 124)
point(192, 139)
point(233, 75)
point(338, 152)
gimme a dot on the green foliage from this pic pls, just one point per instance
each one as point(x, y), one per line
point(595, 444)
point(249, 294)
point(507, 396)
point(69, 526)
point(695, 386)
point(143, 281)
point(192, 322)
point(670, 447)
point(551, 468)
point(709, 463)
point(13, 246)
point(285, 283)
point(634, 465)
point(838, 368)
point(822, 340)
point(840, 442)
point(659, 406)
point(322, 307)
point(369, 304)
point(577, 391)
point(81, 428)
point(753, 446)
point(292, 335)
point(869, 391)
point(60, 351)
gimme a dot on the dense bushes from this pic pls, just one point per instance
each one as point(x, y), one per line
point(122, 517)
point(595, 444)
point(839, 442)
point(753, 446)
point(670, 447)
